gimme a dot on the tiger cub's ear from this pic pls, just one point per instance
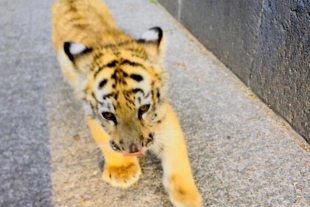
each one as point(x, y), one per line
point(74, 50)
point(153, 41)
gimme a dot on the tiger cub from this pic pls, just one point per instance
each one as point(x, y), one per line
point(123, 87)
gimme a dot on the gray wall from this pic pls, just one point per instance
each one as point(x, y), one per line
point(264, 42)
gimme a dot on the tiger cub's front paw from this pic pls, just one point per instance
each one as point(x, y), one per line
point(182, 194)
point(122, 176)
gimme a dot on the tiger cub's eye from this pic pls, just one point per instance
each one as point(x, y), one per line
point(109, 116)
point(143, 109)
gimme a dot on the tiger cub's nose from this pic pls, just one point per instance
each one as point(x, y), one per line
point(133, 148)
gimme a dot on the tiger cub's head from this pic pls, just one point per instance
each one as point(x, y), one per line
point(123, 86)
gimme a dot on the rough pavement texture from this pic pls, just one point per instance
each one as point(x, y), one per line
point(265, 43)
point(242, 154)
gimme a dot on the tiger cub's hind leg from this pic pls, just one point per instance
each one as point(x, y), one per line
point(118, 171)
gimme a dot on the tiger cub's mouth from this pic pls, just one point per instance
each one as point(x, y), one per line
point(141, 152)
point(133, 148)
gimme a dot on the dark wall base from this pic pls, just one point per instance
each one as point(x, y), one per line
point(265, 43)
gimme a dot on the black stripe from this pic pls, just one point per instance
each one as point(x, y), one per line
point(93, 95)
point(109, 65)
point(112, 64)
point(131, 101)
point(108, 95)
point(147, 95)
point(136, 90)
point(158, 94)
point(92, 108)
point(125, 74)
point(103, 83)
point(134, 64)
point(126, 94)
point(113, 76)
point(136, 77)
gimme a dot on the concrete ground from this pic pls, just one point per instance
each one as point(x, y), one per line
point(242, 154)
